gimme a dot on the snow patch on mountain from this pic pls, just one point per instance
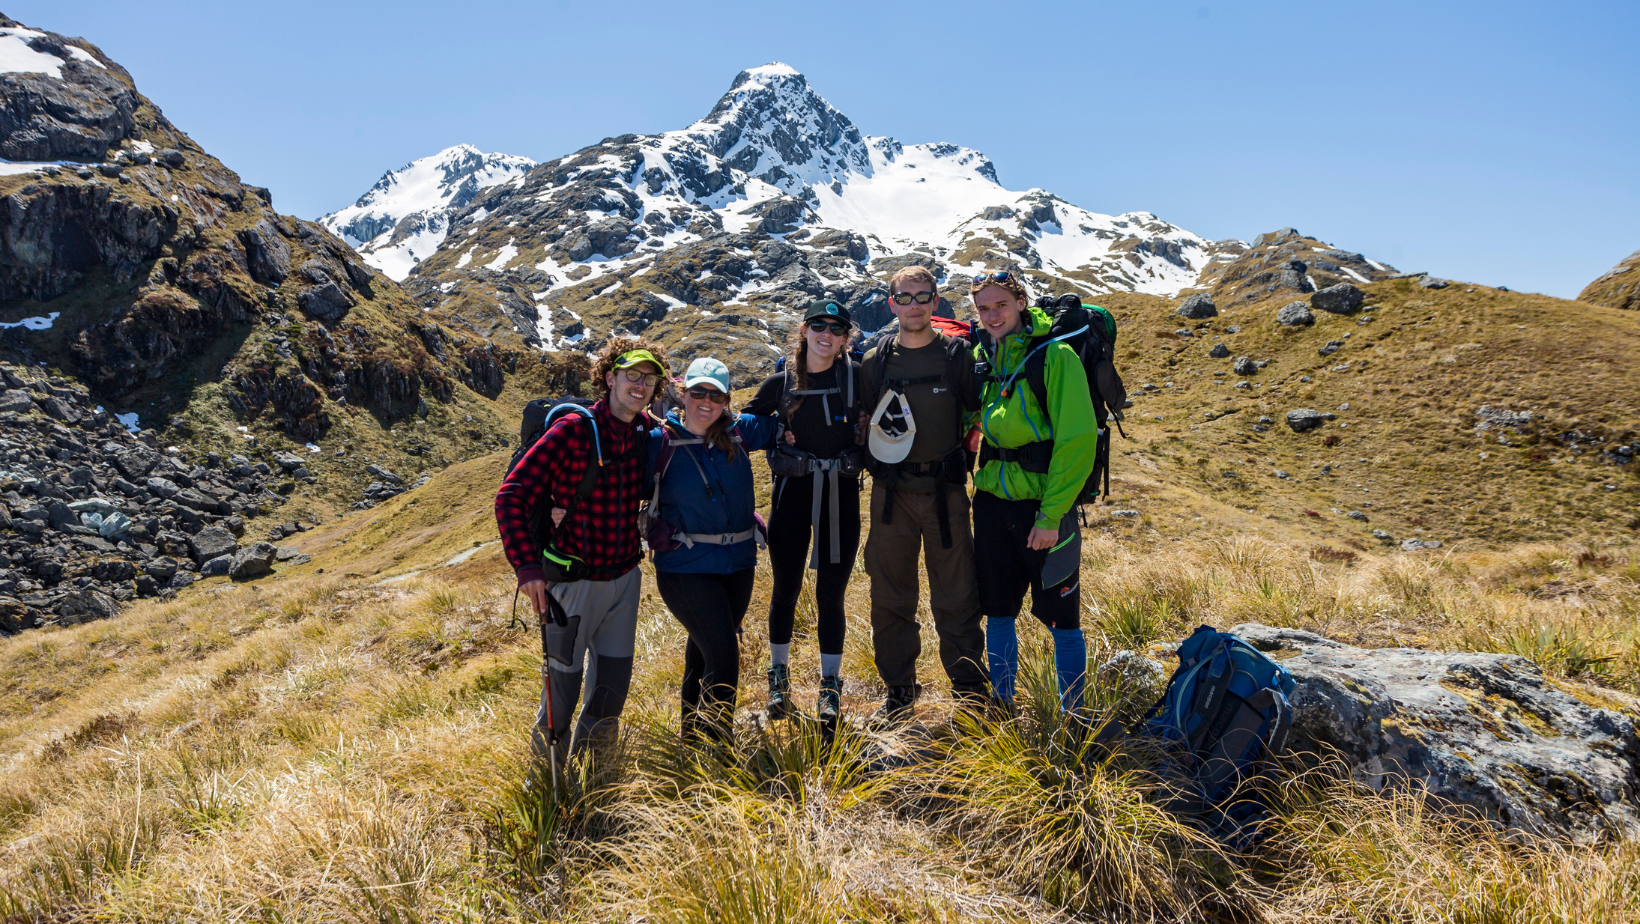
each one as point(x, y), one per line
point(404, 218)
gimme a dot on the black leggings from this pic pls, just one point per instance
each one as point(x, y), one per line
point(711, 607)
point(789, 533)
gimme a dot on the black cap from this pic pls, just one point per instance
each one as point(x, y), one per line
point(827, 308)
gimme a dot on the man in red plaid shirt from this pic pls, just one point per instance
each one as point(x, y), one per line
point(600, 534)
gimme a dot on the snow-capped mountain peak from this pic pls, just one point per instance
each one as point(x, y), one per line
point(404, 217)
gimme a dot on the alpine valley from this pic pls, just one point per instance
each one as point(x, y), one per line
point(259, 657)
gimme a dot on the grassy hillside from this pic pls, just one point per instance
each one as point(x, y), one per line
point(1406, 385)
point(344, 742)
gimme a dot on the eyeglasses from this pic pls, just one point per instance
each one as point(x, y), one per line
point(649, 379)
point(906, 298)
point(1001, 278)
point(700, 393)
point(837, 329)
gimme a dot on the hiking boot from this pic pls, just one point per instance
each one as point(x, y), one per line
point(897, 708)
point(780, 692)
point(831, 699)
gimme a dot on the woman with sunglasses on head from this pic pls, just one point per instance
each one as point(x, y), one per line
point(815, 517)
point(701, 525)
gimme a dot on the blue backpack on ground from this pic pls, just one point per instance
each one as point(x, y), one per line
point(1225, 713)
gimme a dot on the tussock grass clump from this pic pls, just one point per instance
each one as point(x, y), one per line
point(1338, 854)
point(1038, 800)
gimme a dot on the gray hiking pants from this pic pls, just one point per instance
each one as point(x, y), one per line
point(603, 621)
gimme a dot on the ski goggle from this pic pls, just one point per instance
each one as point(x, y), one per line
point(708, 394)
point(906, 298)
point(817, 325)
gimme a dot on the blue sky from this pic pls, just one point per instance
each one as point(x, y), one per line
point(1489, 142)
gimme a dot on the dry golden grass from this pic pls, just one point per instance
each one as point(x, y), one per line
point(325, 747)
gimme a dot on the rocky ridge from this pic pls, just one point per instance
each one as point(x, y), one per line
point(92, 514)
point(406, 215)
point(774, 198)
point(1618, 287)
point(1286, 263)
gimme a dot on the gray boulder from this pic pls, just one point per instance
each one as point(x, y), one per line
point(216, 567)
point(1244, 365)
point(161, 569)
point(1339, 299)
point(253, 561)
point(212, 542)
point(1304, 419)
point(1219, 351)
point(1430, 282)
point(383, 474)
point(1333, 346)
point(16, 399)
point(1197, 307)
point(1295, 314)
point(1484, 732)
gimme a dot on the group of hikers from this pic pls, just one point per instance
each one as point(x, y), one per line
point(919, 411)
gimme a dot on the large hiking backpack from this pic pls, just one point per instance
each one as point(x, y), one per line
point(1090, 330)
point(1225, 715)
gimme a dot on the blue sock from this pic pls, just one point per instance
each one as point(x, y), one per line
point(1002, 654)
point(1070, 660)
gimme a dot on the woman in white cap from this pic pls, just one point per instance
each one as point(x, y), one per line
point(701, 525)
point(814, 521)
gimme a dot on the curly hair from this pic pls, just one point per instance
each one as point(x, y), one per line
point(604, 362)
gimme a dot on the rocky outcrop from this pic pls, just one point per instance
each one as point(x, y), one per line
point(1288, 263)
point(196, 278)
point(1485, 732)
point(1618, 287)
point(75, 109)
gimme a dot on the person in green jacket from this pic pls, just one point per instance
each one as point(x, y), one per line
point(1033, 462)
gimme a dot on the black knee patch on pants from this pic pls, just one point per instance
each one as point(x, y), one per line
point(601, 717)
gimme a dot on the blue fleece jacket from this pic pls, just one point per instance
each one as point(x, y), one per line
point(721, 503)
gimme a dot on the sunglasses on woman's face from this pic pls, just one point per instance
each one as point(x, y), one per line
point(906, 298)
point(819, 326)
point(701, 393)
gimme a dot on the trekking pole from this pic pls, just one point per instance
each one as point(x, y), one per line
point(556, 611)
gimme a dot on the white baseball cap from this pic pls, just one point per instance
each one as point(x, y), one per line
point(892, 429)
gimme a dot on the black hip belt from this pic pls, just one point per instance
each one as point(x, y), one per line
point(951, 470)
point(1032, 457)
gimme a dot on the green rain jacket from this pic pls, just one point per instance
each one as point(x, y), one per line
point(1013, 421)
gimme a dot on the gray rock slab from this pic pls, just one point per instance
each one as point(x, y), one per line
point(1483, 731)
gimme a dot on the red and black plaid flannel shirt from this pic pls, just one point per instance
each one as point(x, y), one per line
point(603, 530)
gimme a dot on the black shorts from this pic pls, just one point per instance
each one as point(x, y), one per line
point(1006, 566)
